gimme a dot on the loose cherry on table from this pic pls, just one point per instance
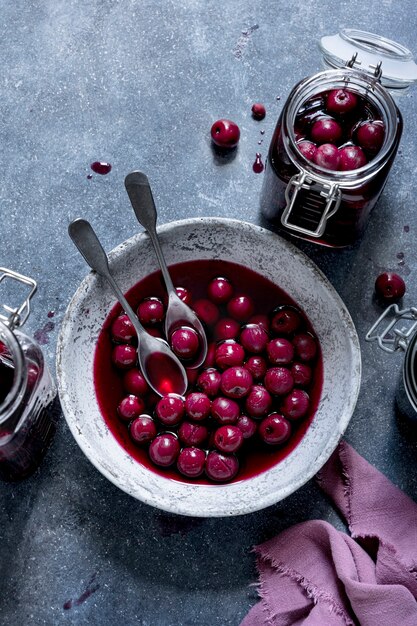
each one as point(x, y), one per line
point(390, 286)
point(225, 133)
point(101, 167)
point(258, 111)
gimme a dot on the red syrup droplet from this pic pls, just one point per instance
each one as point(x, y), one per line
point(100, 167)
point(89, 176)
point(258, 166)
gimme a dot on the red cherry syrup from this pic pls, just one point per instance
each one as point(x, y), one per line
point(255, 457)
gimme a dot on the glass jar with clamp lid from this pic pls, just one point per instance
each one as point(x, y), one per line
point(27, 389)
point(336, 140)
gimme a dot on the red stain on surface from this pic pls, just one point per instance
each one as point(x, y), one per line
point(91, 588)
point(42, 334)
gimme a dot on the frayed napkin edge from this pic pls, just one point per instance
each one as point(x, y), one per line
point(310, 589)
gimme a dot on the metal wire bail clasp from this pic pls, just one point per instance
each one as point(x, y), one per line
point(309, 204)
point(17, 316)
point(389, 338)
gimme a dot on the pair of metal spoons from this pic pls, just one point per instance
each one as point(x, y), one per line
point(162, 369)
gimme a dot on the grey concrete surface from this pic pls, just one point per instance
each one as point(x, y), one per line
point(138, 83)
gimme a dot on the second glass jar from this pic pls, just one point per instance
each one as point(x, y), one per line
point(329, 207)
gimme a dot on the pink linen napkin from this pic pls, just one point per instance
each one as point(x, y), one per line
point(314, 575)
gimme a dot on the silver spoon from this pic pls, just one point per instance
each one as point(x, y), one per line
point(161, 368)
point(178, 313)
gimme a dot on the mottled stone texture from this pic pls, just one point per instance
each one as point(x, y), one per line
point(138, 84)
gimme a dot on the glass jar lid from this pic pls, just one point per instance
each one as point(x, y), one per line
point(375, 55)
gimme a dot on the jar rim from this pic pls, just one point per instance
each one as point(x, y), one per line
point(372, 43)
point(371, 51)
point(19, 370)
point(319, 80)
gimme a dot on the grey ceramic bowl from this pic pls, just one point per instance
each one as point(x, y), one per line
point(280, 262)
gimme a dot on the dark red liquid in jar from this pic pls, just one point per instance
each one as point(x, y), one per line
point(6, 373)
point(24, 438)
point(346, 226)
point(255, 456)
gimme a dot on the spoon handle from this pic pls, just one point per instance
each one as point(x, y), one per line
point(140, 195)
point(86, 240)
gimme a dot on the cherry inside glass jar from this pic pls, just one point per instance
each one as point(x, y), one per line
point(328, 205)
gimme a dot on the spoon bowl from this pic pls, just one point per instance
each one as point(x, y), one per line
point(162, 370)
point(178, 313)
